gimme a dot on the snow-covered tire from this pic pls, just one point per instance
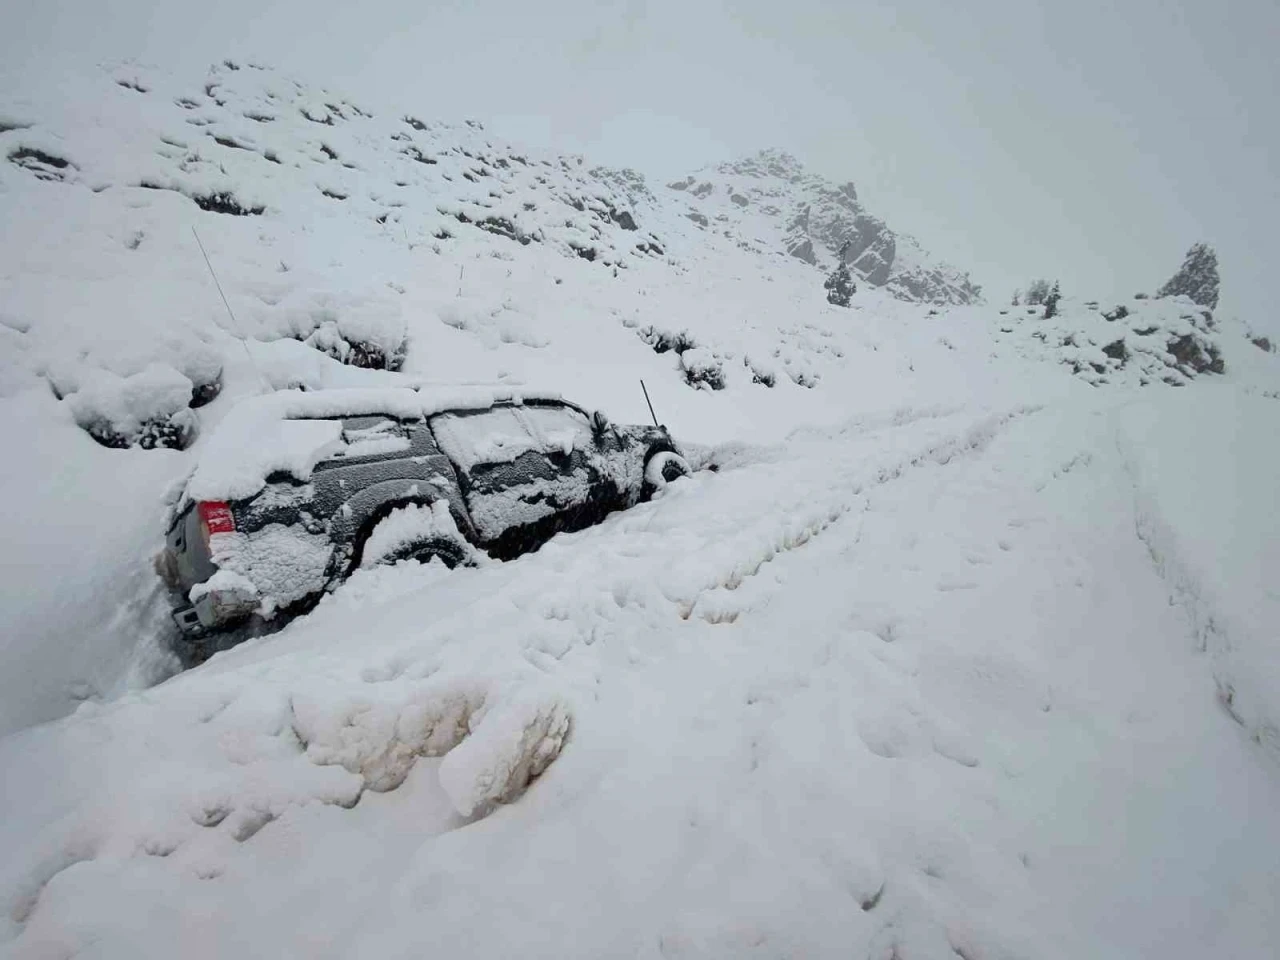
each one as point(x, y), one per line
point(661, 469)
point(421, 532)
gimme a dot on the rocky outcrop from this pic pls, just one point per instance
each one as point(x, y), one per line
point(815, 219)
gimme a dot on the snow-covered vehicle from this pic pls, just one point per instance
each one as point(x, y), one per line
point(296, 490)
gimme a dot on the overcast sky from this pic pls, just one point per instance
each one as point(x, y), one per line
point(1089, 141)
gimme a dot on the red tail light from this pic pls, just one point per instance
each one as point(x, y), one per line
point(215, 517)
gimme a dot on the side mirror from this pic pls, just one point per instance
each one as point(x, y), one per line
point(599, 422)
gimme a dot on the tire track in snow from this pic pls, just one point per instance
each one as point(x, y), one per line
point(718, 601)
point(1208, 627)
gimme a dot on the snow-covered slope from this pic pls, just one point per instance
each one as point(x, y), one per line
point(966, 647)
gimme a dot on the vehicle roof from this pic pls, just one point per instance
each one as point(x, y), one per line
point(291, 430)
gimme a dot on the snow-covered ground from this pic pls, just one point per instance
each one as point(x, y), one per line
point(966, 646)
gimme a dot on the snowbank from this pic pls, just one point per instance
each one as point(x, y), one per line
point(1205, 479)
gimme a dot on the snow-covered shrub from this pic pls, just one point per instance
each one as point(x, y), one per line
point(329, 339)
point(1197, 353)
point(665, 340)
point(148, 409)
point(760, 373)
point(202, 365)
point(359, 331)
point(840, 286)
point(1037, 291)
point(1051, 302)
point(701, 368)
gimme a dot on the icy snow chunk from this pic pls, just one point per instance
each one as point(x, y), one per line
point(512, 744)
point(495, 736)
point(223, 581)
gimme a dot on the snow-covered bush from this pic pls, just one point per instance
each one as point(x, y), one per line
point(665, 340)
point(1037, 291)
point(358, 330)
point(840, 286)
point(1051, 302)
point(148, 409)
point(202, 365)
point(702, 368)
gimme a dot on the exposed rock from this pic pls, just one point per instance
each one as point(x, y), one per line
point(45, 166)
point(1116, 350)
point(1189, 351)
point(798, 242)
point(818, 218)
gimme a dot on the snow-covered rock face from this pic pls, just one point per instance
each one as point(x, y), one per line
point(1140, 341)
point(771, 198)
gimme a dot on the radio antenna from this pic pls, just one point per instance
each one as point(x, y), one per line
point(649, 402)
point(234, 325)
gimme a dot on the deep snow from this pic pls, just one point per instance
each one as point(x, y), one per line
point(960, 642)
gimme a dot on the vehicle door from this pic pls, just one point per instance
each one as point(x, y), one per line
point(526, 471)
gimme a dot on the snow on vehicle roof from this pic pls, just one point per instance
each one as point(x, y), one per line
point(291, 431)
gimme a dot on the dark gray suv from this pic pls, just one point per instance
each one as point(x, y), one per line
point(295, 491)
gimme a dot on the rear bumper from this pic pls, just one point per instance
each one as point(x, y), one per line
point(215, 610)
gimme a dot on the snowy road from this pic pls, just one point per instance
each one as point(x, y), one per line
point(913, 687)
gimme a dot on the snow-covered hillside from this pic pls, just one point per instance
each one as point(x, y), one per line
point(961, 643)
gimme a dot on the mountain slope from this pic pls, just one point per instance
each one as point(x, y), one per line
point(962, 621)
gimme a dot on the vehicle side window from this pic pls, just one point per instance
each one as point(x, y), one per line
point(488, 436)
point(557, 429)
point(504, 434)
point(371, 437)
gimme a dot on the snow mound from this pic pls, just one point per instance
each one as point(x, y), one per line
point(148, 409)
point(1168, 340)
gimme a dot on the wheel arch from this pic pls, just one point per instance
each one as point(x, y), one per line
point(356, 518)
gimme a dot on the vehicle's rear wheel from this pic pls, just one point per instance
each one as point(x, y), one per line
point(422, 532)
point(661, 469)
point(449, 553)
